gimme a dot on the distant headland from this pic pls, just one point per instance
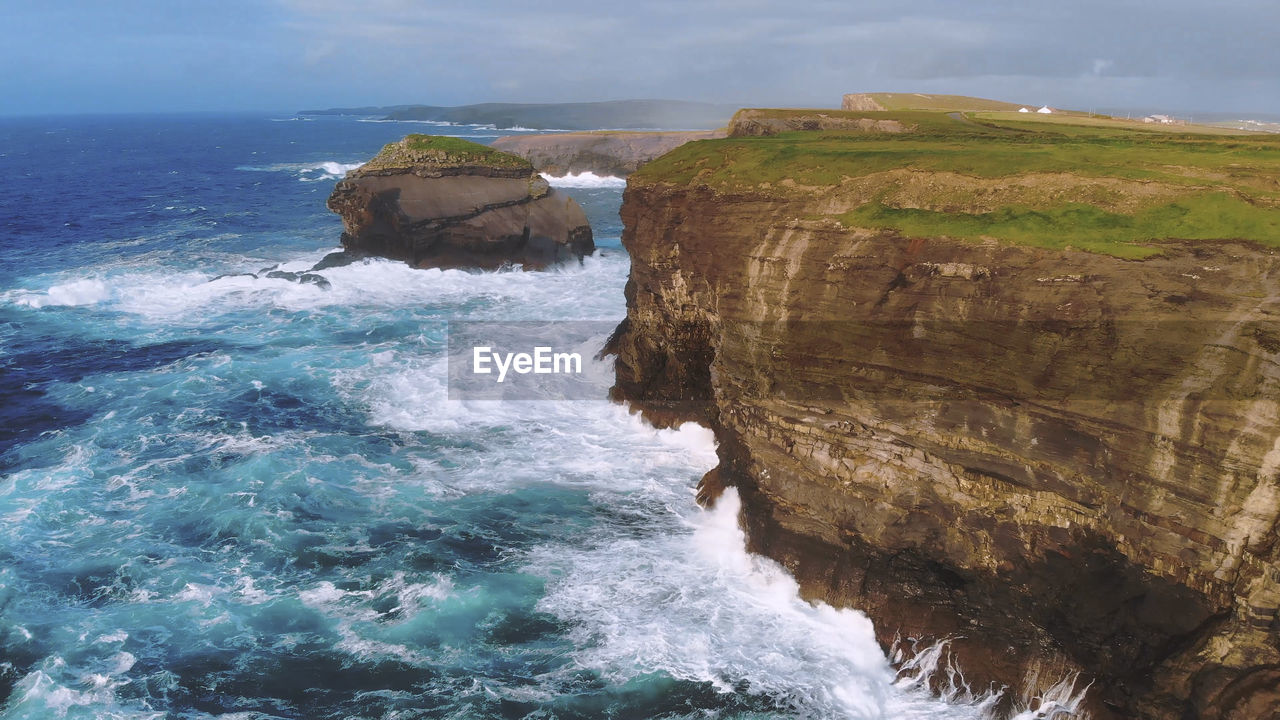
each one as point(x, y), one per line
point(613, 114)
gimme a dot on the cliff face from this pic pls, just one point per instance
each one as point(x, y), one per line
point(755, 123)
point(602, 153)
point(1066, 461)
point(443, 202)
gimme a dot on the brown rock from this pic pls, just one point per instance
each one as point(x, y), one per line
point(444, 202)
point(758, 123)
point(1065, 461)
point(860, 102)
point(617, 153)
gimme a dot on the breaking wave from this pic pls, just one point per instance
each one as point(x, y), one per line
point(328, 170)
point(586, 180)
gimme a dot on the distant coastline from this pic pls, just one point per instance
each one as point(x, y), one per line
point(613, 114)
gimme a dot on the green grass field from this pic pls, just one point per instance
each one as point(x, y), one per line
point(1183, 182)
point(921, 101)
point(443, 151)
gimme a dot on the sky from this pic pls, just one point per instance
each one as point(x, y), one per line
point(88, 56)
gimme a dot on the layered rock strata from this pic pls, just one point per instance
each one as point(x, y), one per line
point(1065, 462)
point(445, 202)
point(756, 123)
point(617, 153)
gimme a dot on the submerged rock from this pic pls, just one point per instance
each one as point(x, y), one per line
point(446, 202)
point(300, 277)
point(306, 277)
point(338, 259)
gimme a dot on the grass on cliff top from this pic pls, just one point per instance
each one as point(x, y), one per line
point(971, 145)
point(628, 133)
point(921, 101)
point(1232, 181)
point(443, 151)
point(1064, 122)
point(1205, 216)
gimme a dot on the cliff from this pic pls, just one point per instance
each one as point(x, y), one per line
point(1006, 382)
point(617, 153)
point(445, 202)
point(755, 123)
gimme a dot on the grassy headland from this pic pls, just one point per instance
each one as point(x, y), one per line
point(1089, 182)
point(443, 151)
point(921, 101)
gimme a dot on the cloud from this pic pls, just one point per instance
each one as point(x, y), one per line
point(1184, 55)
point(786, 51)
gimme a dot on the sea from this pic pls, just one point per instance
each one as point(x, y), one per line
point(227, 495)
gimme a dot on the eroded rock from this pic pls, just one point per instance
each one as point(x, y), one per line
point(614, 153)
point(445, 202)
point(1065, 461)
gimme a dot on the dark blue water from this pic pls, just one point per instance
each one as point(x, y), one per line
point(230, 496)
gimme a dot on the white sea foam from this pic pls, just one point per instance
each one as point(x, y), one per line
point(75, 292)
point(585, 291)
point(113, 637)
point(335, 169)
point(1061, 700)
point(520, 128)
point(309, 172)
point(586, 180)
point(696, 606)
point(441, 123)
point(38, 694)
point(352, 605)
point(197, 593)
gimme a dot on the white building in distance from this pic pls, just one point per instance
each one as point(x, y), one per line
point(1046, 110)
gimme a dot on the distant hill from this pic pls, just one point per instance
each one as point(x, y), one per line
point(612, 114)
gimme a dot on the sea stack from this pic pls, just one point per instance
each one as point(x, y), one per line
point(443, 202)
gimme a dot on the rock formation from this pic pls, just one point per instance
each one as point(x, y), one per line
point(445, 202)
point(860, 101)
point(1065, 461)
point(754, 123)
point(617, 153)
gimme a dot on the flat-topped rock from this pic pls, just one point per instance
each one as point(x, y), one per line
point(446, 202)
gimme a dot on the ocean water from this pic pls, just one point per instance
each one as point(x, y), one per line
point(232, 496)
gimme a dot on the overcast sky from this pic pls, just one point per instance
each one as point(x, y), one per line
point(284, 55)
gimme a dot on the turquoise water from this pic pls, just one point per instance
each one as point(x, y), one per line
point(230, 496)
